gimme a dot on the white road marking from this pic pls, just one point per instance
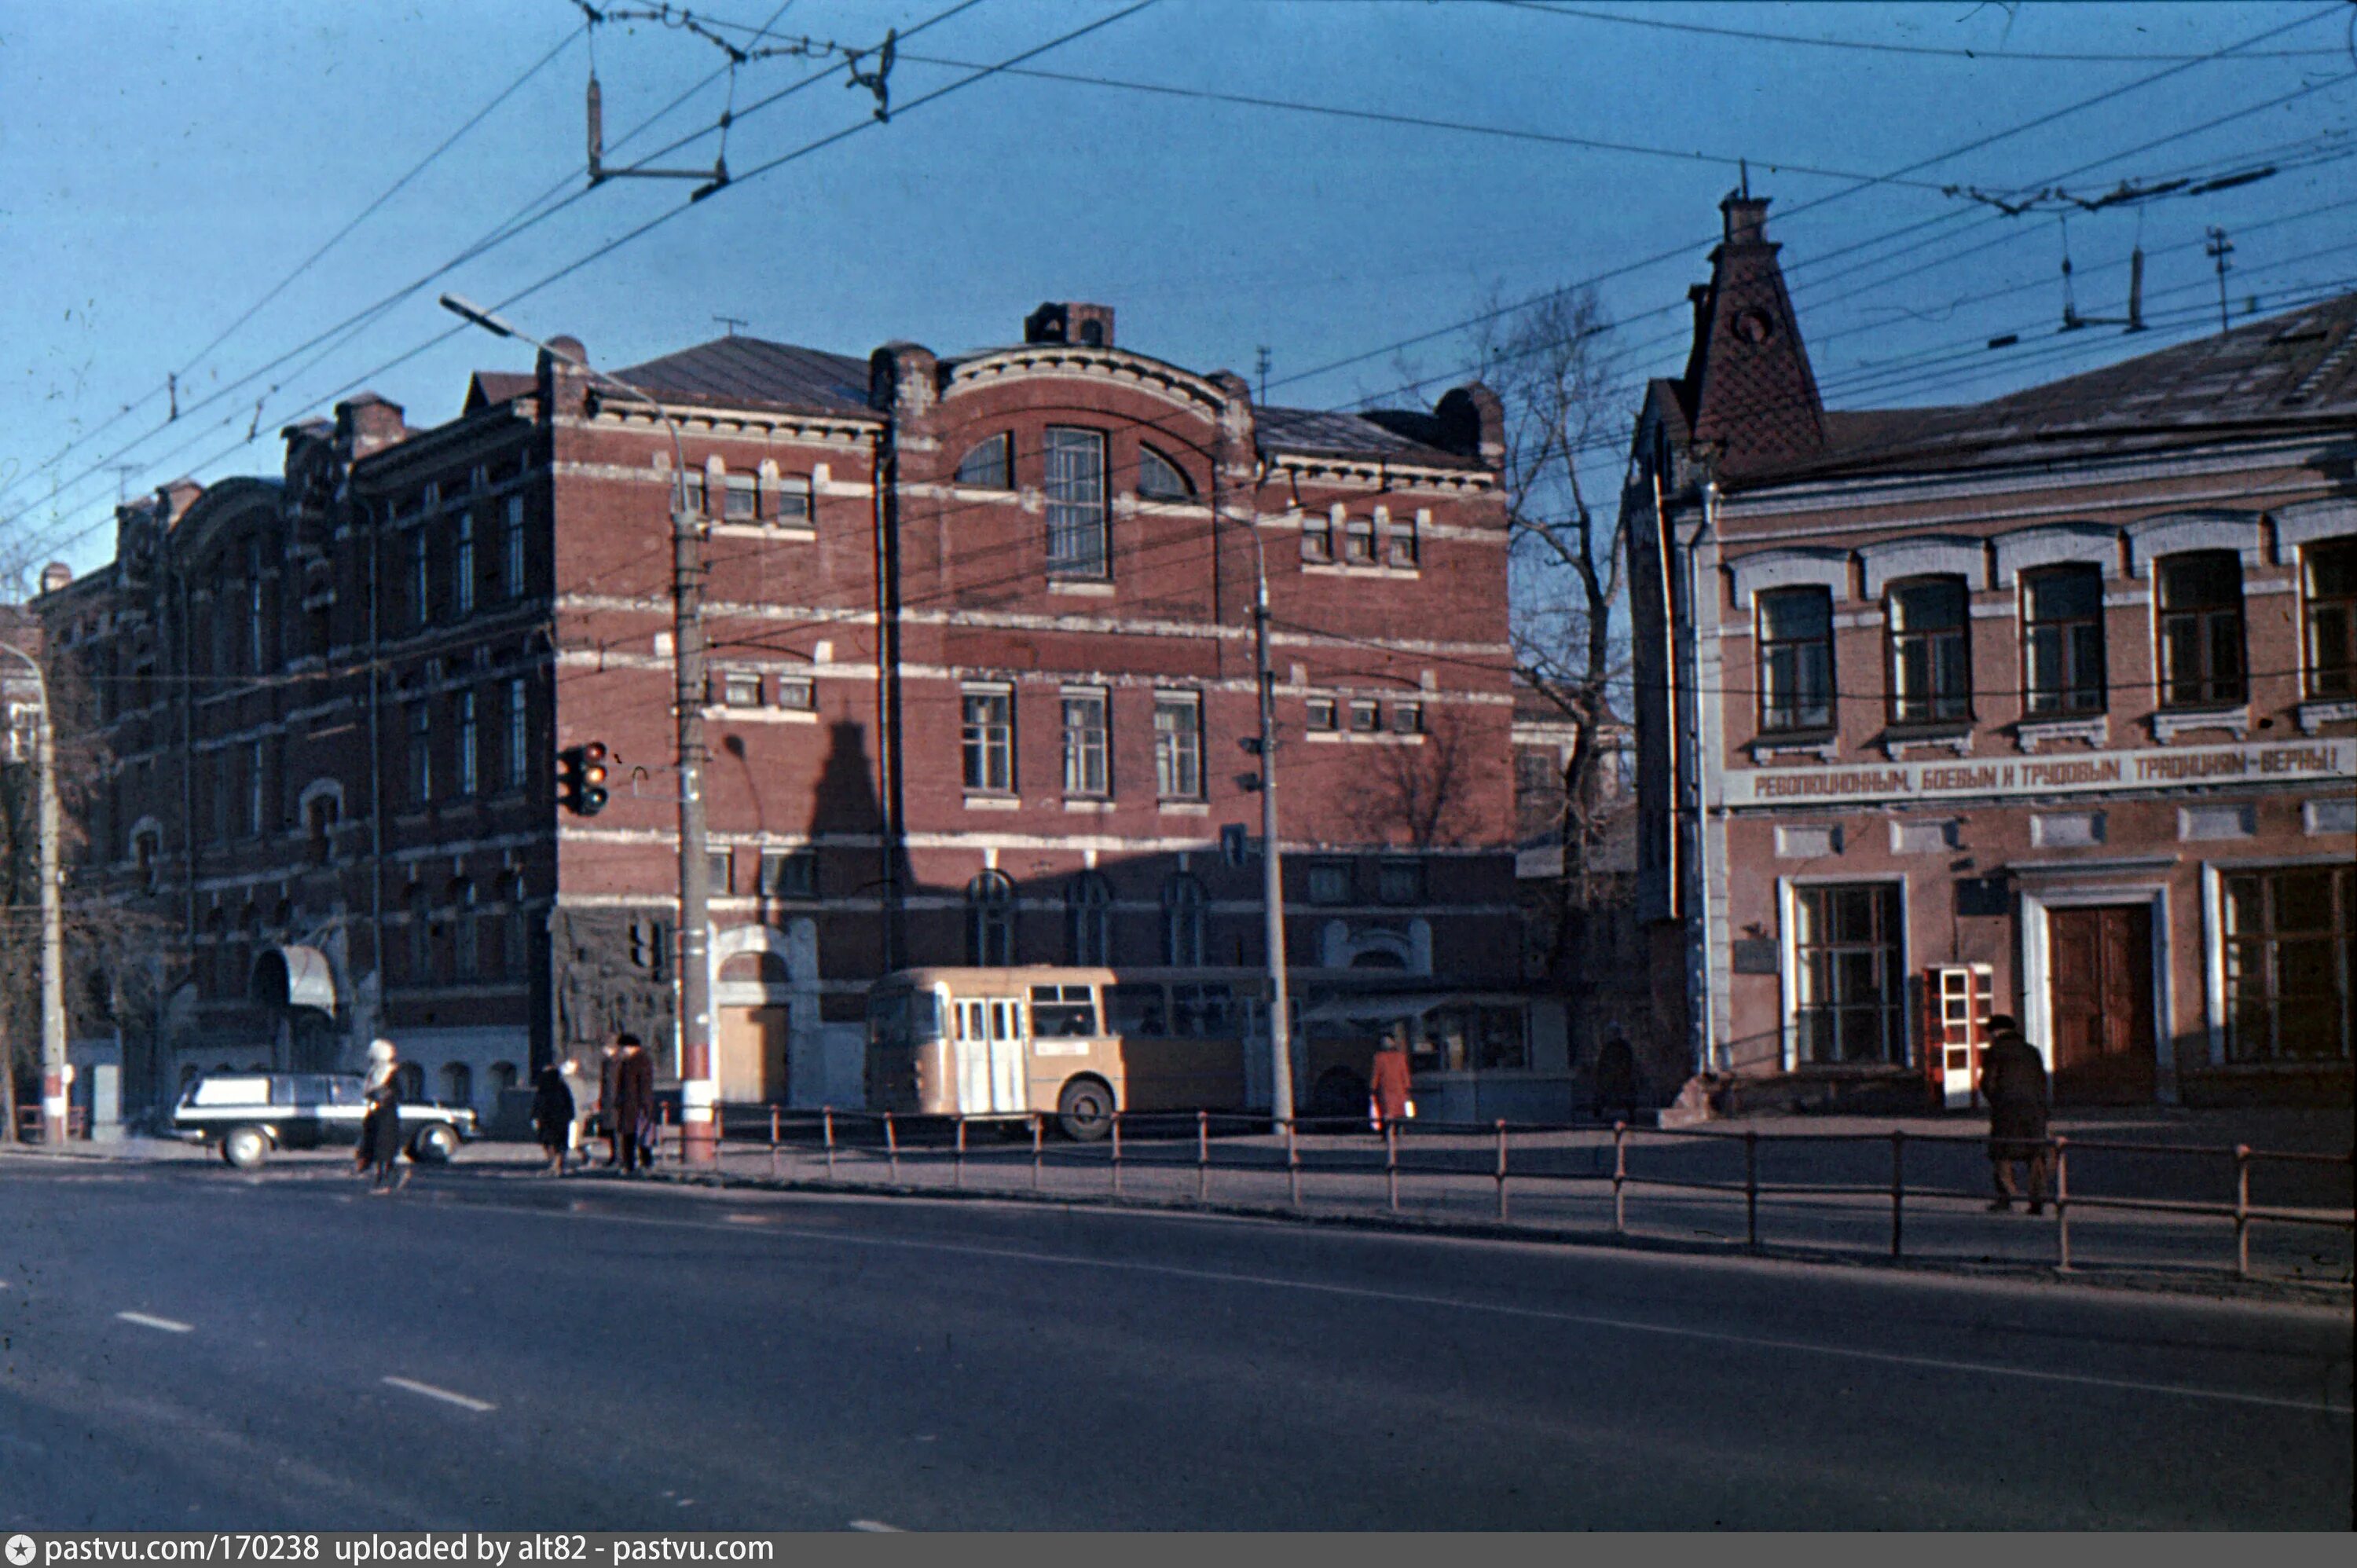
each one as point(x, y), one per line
point(1411, 1298)
point(430, 1392)
point(876, 1527)
point(165, 1323)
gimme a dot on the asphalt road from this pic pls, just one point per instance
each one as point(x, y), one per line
point(185, 1348)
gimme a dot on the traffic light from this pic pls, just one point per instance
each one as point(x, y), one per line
point(581, 779)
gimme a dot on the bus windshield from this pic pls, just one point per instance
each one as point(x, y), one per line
point(903, 1017)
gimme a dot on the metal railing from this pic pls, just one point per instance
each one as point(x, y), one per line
point(797, 1141)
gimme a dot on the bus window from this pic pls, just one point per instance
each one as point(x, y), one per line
point(903, 1017)
point(1007, 1020)
point(1060, 1011)
point(1138, 1009)
point(1201, 1011)
point(970, 1024)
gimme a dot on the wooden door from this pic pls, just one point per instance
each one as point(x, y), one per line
point(2100, 1004)
point(752, 1054)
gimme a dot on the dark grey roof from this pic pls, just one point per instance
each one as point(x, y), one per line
point(1318, 433)
point(752, 372)
point(2286, 371)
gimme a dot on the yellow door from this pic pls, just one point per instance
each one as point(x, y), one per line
point(752, 1054)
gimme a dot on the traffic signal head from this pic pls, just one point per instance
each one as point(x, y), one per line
point(581, 779)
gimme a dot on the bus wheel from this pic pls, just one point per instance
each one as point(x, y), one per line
point(1084, 1111)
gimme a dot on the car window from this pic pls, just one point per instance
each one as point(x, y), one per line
point(345, 1090)
point(244, 1089)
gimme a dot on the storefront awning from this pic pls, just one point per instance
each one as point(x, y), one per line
point(294, 977)
point(1375, 1009)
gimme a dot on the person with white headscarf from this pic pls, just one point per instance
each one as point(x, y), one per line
point(381, 1129)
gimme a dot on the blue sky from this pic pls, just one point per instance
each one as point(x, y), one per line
point(163, 167)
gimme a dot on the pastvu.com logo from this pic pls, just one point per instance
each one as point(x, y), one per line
point(20, 1549)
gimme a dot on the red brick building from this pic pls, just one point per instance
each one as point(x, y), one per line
point(2062, 685)
point(980, 657)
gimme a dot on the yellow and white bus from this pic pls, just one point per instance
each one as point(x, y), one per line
point(1082, 1044)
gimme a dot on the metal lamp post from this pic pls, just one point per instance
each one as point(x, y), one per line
point(699, 1090)
point(53, 934)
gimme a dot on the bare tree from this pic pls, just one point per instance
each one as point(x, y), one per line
point(1416, 796)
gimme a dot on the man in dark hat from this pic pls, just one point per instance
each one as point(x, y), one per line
point(2013, 1081)
point(634, 1102)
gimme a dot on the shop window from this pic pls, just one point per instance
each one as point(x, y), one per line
point(1850, 984)
point(1160, 478)
point(1931, 667)
point(1796, 659)
point(2201, 629)
point(1076, 502)
point(987, 742)
point(2289, 945)
point(2328, 576)
point(2063, 652)
point(990, 920)
point(985, 465)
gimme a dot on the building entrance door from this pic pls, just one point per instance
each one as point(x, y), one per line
point(2100, 1004)
point(752, 1054)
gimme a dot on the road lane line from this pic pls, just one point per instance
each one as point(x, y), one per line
point(430, 1392)
point(165, 1323)
point(1411, 1298)
point(876, 1527)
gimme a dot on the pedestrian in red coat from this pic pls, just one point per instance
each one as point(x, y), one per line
point(1388, 1082)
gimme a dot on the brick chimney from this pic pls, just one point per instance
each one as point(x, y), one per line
point(1747, 380)
point(368, 423)
point(1069, 321)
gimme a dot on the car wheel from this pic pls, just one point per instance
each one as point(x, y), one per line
point(434, 1145)
point(245, 1147)
point(1084, 1111)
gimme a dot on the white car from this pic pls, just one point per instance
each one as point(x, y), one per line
point(248, 1114)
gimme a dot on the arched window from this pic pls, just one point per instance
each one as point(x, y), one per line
point(990, 920)
point(987, 464)
point(458, 1084)
point(503, 1077)
point(1183, 920)
point(1088, 919)
point(1160, 479)
point(754, 969)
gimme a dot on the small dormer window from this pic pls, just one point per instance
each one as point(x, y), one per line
point(1160, 478)
point(988, 465)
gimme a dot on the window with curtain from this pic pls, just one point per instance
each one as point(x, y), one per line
point(1796, 659)
point(2329, 580)
point(2062, 649)
point(1931, 662)
point(2201, 623)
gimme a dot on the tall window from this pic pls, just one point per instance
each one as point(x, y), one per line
point(1160, 478)
point(985, 465)
point(1076, 502)
point(1177, 746)
point(421, 934)
point(257, 791)
point(2064, 609)
point(1930, 670)
point(1088, 919)
point(253, 622)
point(1088, 744)
point(990, 920)
point(2330, 576)
point(1851, 986)
point(421, 753)
point(518, 735)
point(1796, 659)
point(462, 563)
point(511, 548)
point(466, 935)
point(468, 771)
point(421, 576)
point(988, 742)
point(1183, 920)
point(2201, 629)
point(2289, 937)
point(514, 933)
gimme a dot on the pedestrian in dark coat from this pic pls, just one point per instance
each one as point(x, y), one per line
point(2013, 1083)
point(634, 1102)
point(552, 1114)
point(380, 1152)
point(1389, 1083)
point(607, 1061)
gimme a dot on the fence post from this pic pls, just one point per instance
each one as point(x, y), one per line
point(2243, 1210)
point(1501, 1168)
point(892, 1148)
point(1202, 1156)
point(2061, 1204)
point(1619, 1176)
point(828, 1112)
point(662, 1128)
point(1751, 1188)
point(1391, 1161)
point(1897, 1192)
point(957, 1169)
point(1293, 1162)
point(773, 1143)
point(1038, 1127)
point(1117, 1154)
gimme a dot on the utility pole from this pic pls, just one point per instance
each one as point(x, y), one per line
point(2218, 250)
point(1280, 1015)
point(699, 1093)
point(1260, 370)
point(53, 925)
